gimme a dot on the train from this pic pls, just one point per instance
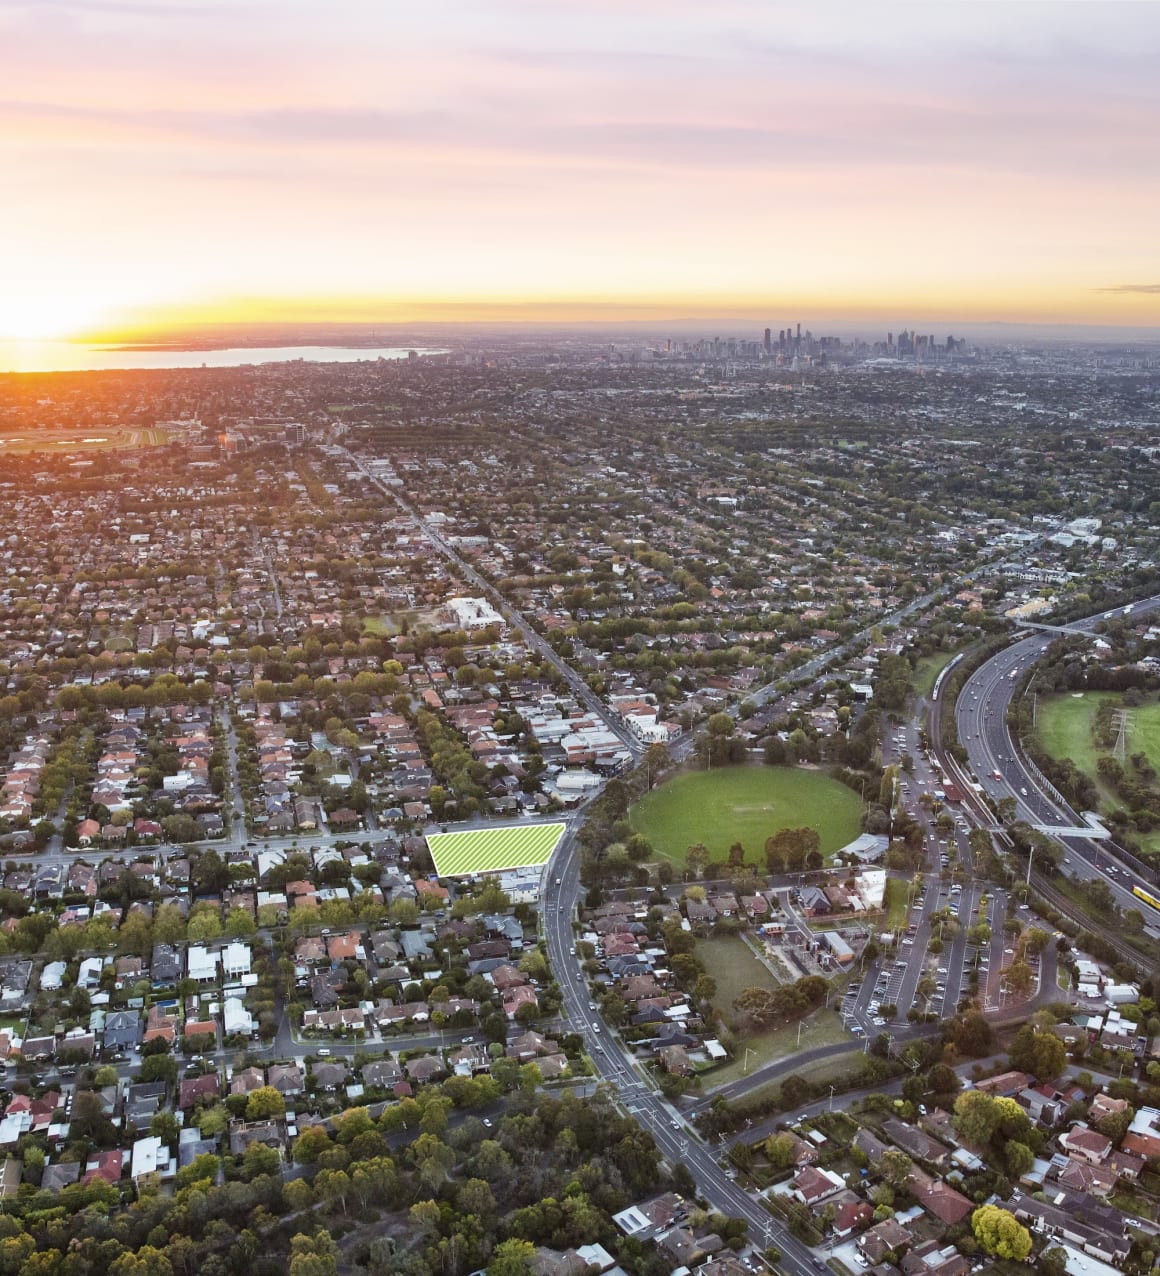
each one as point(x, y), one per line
point(1147, 897)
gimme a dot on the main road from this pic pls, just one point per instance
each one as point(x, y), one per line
point(579, 688)
point(1003, 772)
point(678, 1142)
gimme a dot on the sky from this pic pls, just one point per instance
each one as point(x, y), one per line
point(175, 161)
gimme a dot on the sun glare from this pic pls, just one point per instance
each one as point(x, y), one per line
point(43, 317)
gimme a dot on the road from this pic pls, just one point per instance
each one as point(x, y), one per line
point(678, 1142)
point(1002, 772)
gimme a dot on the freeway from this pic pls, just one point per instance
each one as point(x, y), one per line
point(981, 719)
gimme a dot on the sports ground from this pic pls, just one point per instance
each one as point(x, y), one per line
point(493, 850)
point(745, 804)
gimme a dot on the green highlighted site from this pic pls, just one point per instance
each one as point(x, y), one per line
point(493, 850)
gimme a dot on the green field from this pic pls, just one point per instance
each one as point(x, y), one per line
point(492, 850)
point(822, 1028)
point(1064, 726)
point(735, 968)
point(746, 805)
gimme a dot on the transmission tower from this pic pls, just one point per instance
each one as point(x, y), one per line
point(1122, 720)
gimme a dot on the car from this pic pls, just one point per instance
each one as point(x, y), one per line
point(324, 1051)
point(675, 1124)
point(579, 976)
point(592, 1005)
point(595, 1027)
point(600, 1046)
point(468, 1040)
point(559, 881)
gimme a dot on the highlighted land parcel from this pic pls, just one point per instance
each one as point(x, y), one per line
point(493, 850)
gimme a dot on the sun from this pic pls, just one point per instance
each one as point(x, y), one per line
point(32, 316)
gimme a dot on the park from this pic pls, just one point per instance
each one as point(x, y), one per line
point(745, 804)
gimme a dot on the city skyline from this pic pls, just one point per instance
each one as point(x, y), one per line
point(204, 163)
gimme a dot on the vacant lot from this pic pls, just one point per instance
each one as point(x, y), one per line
point(746, 805)
point(822, 1028)
point(735, 968)
point(1064, 724)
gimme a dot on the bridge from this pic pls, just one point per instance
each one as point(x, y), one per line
point(1056, 629)
point(1091, 828)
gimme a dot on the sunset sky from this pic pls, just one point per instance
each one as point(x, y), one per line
point(168, 161)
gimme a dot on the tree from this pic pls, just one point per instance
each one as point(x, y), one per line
point(315, 1255)
point(1019, 977)
point(1052, 1262)
point(895, 1167)
point(310, 1144)
point(1039, 1053)
point(1019, 1158)
point(263, 1103)
point(512, 1258)
point(240, 923)
point(1000, 1233)
point(781, 1151)
point(977, 1117)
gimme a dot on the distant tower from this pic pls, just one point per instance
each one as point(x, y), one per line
point(768, 342)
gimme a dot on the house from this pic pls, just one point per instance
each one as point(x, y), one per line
point(309, 950)
point(151, 1156)
point(428, 1067)
point(529, 1045)
point(1086, 1145)
point(646, 1220)
point(236, 1019)
point(1006, 1085)
point(105, 1165)
point(883, 1239)
point(246, 1080)
point(165, 967)
point(236, 960)
point(122, 1030)
point(202, 964)
point(330, 1076)
point(811, 1184)
point(1104, 1105)
point(850, 1216)
point(381, 1073)
point(1098, 1229)
point(914, 1142)
point(514, 998)
point(939, 1198)
point(196, 1090)
point(675, 1061)
point(1079, 1176)
point(869, 1145)
point(286, 1078)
